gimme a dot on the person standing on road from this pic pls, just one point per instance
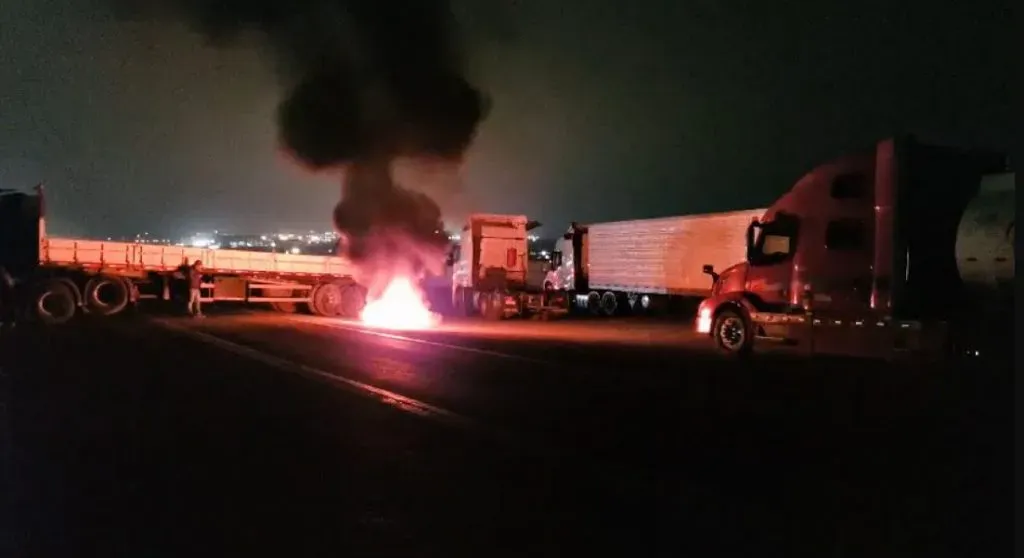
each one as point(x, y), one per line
point(8, 300)
point(195, 282)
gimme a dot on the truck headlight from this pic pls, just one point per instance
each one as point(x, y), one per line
point(704, 320)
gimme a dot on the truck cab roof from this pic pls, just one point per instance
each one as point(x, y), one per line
point(497, 218)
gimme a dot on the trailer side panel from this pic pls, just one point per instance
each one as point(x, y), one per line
point(665, 256)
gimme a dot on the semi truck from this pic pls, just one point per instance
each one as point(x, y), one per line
point(490, 270)
point(58, 277)
point(905, 248)
point(646, 264)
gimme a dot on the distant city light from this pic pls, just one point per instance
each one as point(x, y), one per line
point(313, 242)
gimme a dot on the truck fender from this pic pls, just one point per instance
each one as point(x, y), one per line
point(709, 310)
point(739, 301)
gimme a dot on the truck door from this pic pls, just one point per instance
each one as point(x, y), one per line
point(773, 246)
point(19, 231)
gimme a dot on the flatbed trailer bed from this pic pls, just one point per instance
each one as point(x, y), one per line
point(125, 257)
point(59, 276)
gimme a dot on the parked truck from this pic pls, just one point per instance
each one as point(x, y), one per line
point(490, 270)
point(645, 264)
point(906, 248)
point(57, 277)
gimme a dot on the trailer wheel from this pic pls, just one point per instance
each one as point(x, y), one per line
point(609, 304)
point(733, 334)
point(106, 295)
point(594, 303)
point(353, 300)
point(55, 303)
point(327, 300)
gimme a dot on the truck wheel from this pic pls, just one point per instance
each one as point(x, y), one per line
point(609, 304)
point(106, 295)
point(733, 334)
point(55, 303)
point(327, 300)
point(594, 303)
point(353, 300)
point(491, 307)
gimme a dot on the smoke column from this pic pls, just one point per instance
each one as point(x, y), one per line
point(366, 82)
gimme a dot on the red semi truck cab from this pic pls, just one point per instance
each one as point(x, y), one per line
point(905, 247)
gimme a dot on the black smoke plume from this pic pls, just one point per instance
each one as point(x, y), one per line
point(366, 82)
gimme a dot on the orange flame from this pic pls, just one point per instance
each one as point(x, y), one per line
point(400, 306)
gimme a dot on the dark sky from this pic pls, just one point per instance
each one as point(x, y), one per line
point(601, 109)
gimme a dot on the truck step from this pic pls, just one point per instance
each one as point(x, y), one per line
point(773, 339)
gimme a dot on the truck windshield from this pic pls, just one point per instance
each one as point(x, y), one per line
point(773, 244)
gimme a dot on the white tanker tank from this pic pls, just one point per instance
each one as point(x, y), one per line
point(985, 241)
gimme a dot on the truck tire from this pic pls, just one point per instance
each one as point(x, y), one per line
point(353, 300)
point(491, 307)
point(609, 304)
point(326, 300)
point(733, 333)
point(594, 303)
point(55, 302)
point(106, 295)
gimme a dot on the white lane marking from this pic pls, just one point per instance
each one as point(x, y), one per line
point(323, 322)
point(385, 396)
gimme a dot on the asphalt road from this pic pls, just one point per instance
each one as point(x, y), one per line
point(260, 432)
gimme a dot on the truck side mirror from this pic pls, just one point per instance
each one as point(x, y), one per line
point(709, 269)
point(750, 240)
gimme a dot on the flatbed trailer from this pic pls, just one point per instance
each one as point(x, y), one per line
point(58, 276)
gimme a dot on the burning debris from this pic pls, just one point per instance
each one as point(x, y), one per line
point(367, 82)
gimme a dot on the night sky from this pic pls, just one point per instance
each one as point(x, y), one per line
point(600, 109)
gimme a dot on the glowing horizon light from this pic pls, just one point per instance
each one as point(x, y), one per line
point(400, 306)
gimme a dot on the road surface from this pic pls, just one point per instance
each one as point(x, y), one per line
point(260, 432)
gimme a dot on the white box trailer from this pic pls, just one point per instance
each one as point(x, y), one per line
point(644, 263)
